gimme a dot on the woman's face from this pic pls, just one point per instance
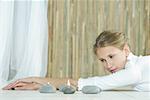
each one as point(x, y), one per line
point(112, 58)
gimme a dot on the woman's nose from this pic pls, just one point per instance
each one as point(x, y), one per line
point(108, 65)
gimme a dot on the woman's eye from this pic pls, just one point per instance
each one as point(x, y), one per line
point(110, 56)
point(102, 60)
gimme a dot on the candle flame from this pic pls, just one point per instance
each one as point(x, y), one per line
point(68, 83)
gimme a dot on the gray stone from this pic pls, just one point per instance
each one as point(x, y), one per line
point(47, 88)
point(91, 89)
point(60, 88)
point(68, 90)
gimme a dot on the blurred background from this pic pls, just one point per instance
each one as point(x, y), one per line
point(75, 24)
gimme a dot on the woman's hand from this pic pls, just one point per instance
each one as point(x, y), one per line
point(22, 86)
point(31, 83)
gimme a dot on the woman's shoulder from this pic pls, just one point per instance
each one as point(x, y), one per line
point(139, 58)
point(144, 58)
point(143, 61)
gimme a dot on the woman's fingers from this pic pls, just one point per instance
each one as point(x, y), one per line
point(31, 86)
point(20, 84)
point(31, 80)
point(28, 80)
point(9, 86)
point(15, 84)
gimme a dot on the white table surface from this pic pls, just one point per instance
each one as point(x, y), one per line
point(105, 95)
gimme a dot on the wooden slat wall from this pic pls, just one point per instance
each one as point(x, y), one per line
point(75, 24)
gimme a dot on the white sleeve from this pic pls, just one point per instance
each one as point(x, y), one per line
point(130, 75)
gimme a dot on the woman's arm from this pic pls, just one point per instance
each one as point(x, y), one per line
point(34, 83)
point(130, 75)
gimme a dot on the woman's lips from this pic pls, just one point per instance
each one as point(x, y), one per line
point(113, 70)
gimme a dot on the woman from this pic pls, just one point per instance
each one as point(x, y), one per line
point(113, 51)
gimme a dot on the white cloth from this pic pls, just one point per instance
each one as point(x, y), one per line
point(6, 20)
point(135, 73)
point(23, 39)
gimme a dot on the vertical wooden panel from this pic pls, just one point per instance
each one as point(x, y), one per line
point(75, 24)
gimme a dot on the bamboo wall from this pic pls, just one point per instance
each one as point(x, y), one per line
point(75, 24)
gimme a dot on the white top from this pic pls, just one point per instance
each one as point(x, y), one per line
point(135, 73)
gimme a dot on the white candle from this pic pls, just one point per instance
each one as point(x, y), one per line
point(68, 83)
point(68, 89)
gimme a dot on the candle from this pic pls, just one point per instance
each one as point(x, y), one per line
point(68, 83)
point(68, 89)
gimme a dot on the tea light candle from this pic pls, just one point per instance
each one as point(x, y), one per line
point(68, 83)
point(68, 89)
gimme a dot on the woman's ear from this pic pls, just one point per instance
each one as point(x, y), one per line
point(126, 49)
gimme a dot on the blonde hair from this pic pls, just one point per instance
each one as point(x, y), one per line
point(110, 38)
